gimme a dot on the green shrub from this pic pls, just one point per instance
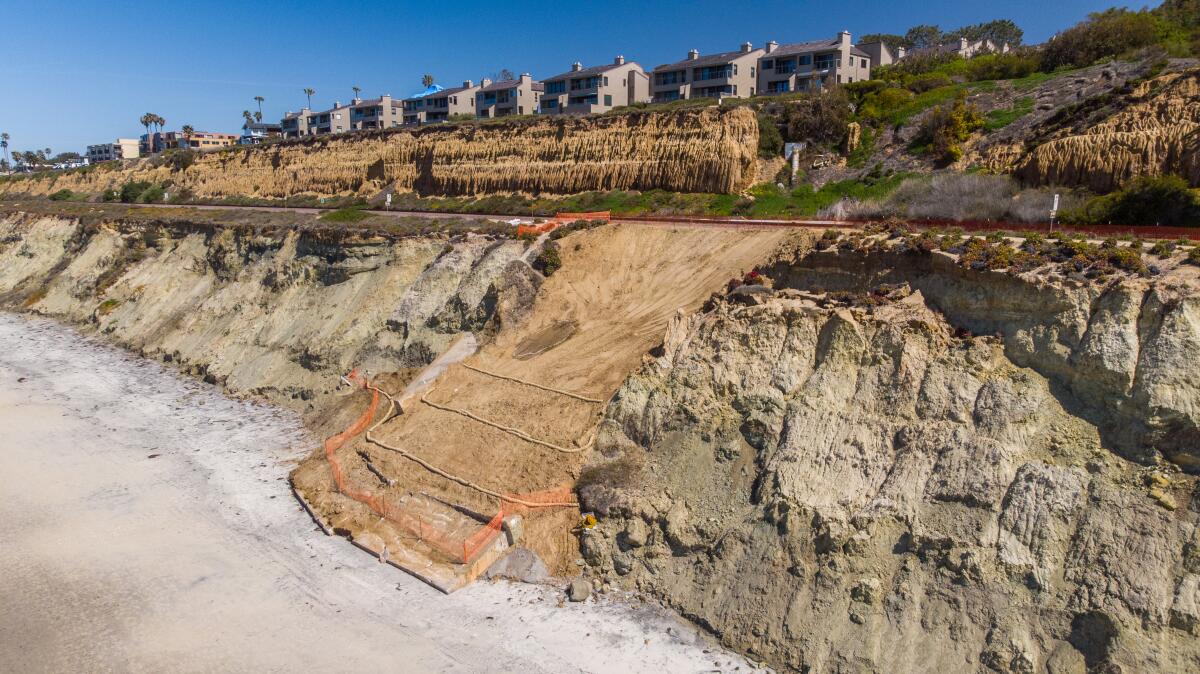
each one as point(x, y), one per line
point(179, 159)
point(1010, 66)
point(110, 195)
point(548, 261)
point(818, 118)
point(1149, 200)
point(928, 82)
point(62, 195)
point(152, 195)
point(770, 141)
point(1103, 35)
point(948, 126)
point(132, 191)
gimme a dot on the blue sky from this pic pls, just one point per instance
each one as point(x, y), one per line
point(80, 72)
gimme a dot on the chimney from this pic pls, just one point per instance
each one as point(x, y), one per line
point(693, 54)
point(747, 47)
point(772, 46)
point(525, 77)
point(844, 38)
point(467, 84)
point(576, 67)
point(485, 82)
point(619, 61)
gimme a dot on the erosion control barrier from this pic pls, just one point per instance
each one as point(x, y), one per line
point(460, 548)
point(561, 219)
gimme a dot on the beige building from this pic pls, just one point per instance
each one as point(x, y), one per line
point(582, 91)
point(200, 140)
point(509, 97)
point(728, 74)
point(377, 113)
point(333, 120)
point(881, 54)
point(121, 148)
point(295, 124)
point(812, 65)
point(441, 105)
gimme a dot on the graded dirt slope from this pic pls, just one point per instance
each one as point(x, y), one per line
point(595, 318)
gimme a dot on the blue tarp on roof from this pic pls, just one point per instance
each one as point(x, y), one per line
point(431, 89)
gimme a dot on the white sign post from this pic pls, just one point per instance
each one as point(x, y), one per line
point(387, 202)
point(1053, 212)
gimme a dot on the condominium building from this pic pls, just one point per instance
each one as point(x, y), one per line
point(508, 97)
point(377, 113)
point(199, 140)
point(584, 91)
point(812, 65)
point(295, 124)
point(333, 120)
point(731, 73)
point(121, 148)
point(440, 105)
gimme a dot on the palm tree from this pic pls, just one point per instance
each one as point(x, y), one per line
point(309, 92)
point(146, 120)
point(356, 91)
point(259, 100)
point(427, 81)
point(4, 144)
point(248, 117)
point(188, 130)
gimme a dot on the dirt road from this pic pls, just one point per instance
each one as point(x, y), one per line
point(146, 525)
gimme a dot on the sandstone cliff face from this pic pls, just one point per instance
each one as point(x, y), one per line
point(708, 150)
point(844, 489)
point(1155, 130)
point(278, 315)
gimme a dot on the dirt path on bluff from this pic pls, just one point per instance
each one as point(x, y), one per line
point(146, 525)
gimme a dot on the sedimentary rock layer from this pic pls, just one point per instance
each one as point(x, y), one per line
point(700, 150)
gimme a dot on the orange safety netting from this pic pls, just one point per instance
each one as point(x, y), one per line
point(460, 549)
point(561, 219)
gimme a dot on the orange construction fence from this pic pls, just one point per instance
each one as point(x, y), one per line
point(460, 550)
point(561, 219)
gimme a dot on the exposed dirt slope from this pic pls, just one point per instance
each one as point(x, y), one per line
point(707, 150)
point(595, 318)
point(869, 489)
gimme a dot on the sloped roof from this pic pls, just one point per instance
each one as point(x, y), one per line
point(710, 60)
point(509, 84)
point(587, 72)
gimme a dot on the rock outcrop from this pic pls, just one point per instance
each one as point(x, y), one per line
point(699, 150)
point(279, 314)
point(1152, 129)
point(873, 488)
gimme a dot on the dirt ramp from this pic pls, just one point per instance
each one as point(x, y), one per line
point(514, 422)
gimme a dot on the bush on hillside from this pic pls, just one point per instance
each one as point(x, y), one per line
point(1010, 66)
point(1103, 35)
point(151, 195)
point(770, 141)
point(1150, 200)
point(818, 118)
point(132, 191)
point(61, 195)
point(949, 126)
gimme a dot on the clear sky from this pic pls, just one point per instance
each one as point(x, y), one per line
point(79, 72)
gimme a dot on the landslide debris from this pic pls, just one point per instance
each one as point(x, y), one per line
point(875, 458)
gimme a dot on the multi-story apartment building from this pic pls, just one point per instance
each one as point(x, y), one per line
point(584, 91)
point(812, 65)
point(377, 113)
point(199, 140)
point(727, 74)
point(333, 120)
point(508, 97)
point(295, 124)
point(121, 148)
point(440, 105)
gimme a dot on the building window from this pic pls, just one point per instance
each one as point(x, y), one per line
point(768, 64)
point(606, 81)
point(550, 104)
point(826, 61)
point(520, 110)
point(805, 60)
point(751, 71)
point(608, 99)
point(556, 87)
